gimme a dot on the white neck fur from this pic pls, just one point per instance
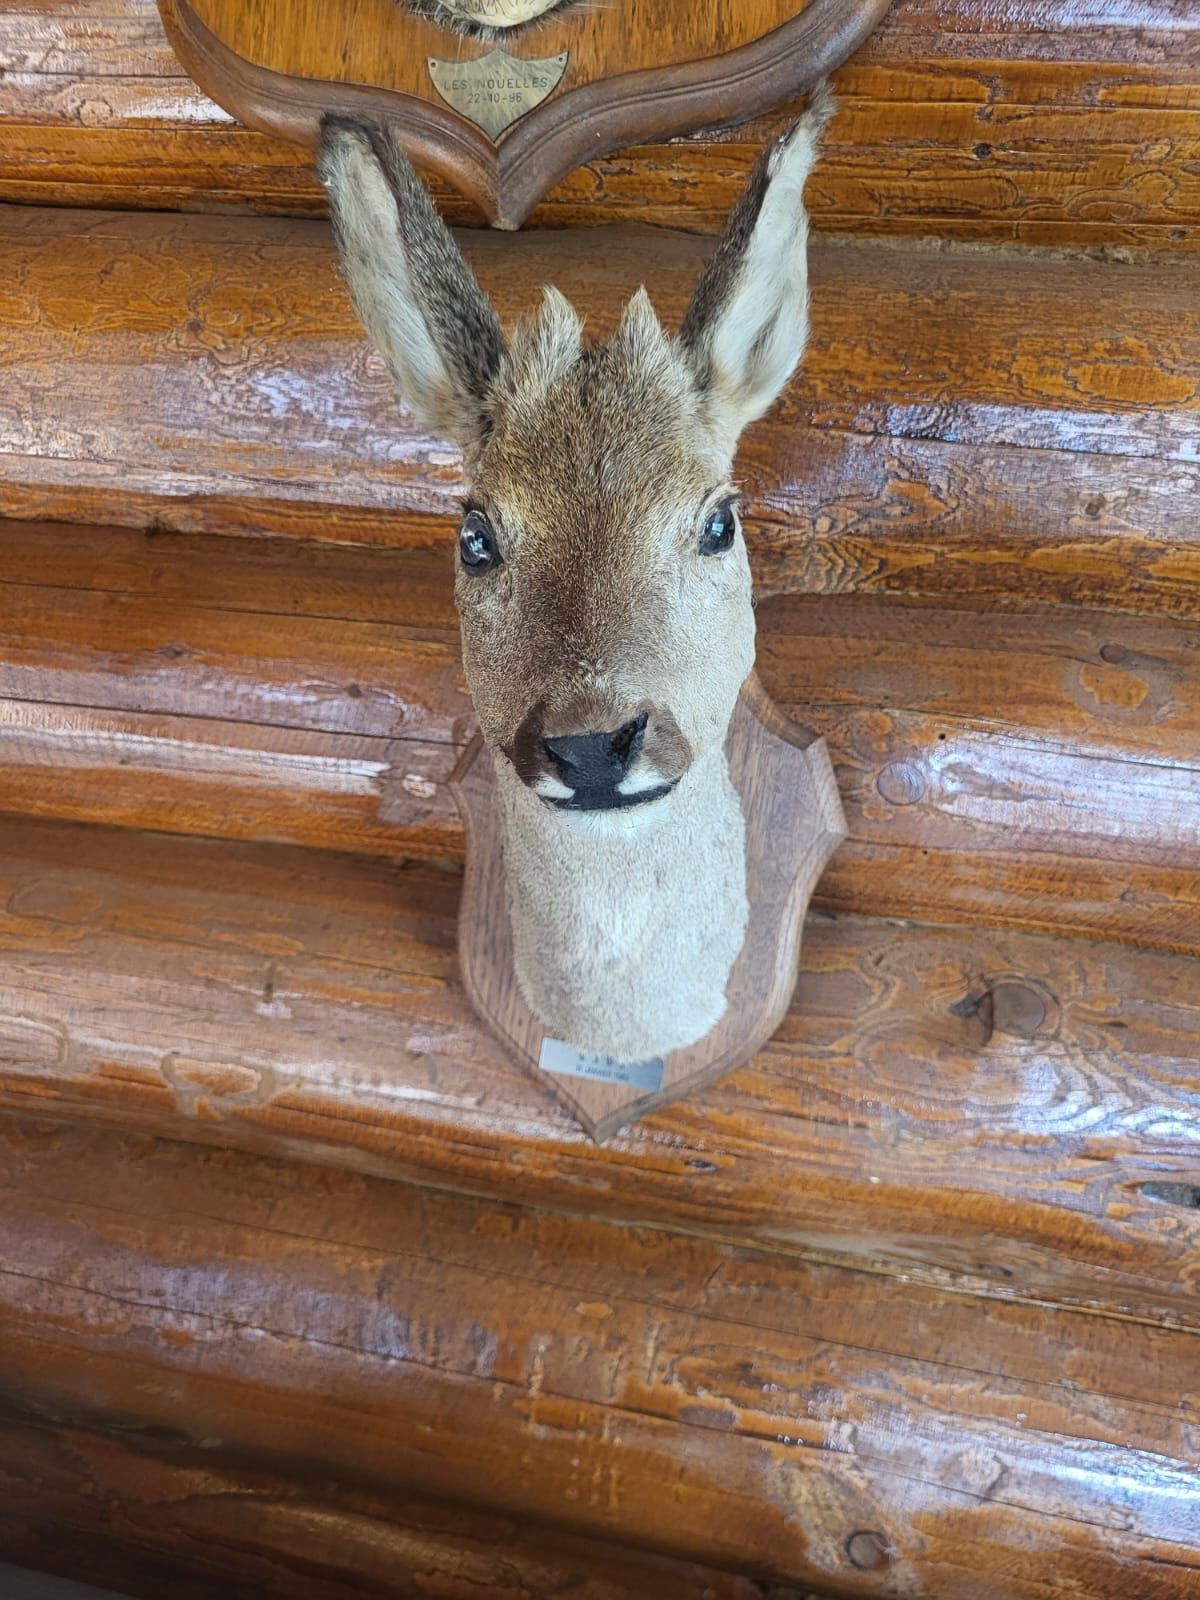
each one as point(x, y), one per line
point(626, 925)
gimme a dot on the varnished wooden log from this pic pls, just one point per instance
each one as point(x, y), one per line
point(1021, 429)
point(70, 596)
point(1038, 120)
point(711, 1404)
point(178, 1517)
point(1089, 680)
point(1035, 769)
point(960, 1101)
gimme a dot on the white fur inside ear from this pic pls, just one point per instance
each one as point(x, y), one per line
point(760, 333)
point(384, 293)
point(757, 335)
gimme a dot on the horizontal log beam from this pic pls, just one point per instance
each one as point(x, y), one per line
point(1031, 769)
point(157, 1517)
point(783, 1422)
point(1045, 122)
point(1020, 428)
point(962, 1101)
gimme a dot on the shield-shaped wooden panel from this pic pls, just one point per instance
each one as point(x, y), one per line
point(794, 823)
point(502, 98)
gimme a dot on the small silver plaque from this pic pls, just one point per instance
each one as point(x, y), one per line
point(571, 1063)
point(497, 89)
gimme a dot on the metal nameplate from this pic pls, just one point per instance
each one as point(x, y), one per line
point(564, 1059)
point(497, 89)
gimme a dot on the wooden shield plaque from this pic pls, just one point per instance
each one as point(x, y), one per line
point(794, 823)
point(502, 98)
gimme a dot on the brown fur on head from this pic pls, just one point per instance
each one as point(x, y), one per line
point(592, 599)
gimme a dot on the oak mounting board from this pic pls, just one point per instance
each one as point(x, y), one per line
point(794, 823)
point(590, 77)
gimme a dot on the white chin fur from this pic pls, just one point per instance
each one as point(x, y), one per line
point(623, 823)
point(552, 789)
point(640, 782)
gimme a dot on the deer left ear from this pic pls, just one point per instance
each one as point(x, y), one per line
point(415, 294)
point(747, 325)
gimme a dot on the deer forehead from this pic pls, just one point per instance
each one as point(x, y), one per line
point(608, 451)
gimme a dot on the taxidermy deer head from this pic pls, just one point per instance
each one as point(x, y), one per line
point(602, 580)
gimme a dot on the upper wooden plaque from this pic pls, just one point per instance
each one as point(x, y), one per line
point(502, 98)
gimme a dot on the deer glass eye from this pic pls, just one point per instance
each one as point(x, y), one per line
point(477, 549)
point(719, 528)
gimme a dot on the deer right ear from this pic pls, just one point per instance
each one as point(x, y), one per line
point(416, 296)
point(747, 325)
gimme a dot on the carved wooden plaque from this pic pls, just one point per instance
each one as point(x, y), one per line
point(794, 823)
point(502, 98)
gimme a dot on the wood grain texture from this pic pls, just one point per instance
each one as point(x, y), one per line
point(959, 1101)
point(643, 69)
point(1029, 769)
point(373, 46)
point(194, 1341)
point(1023, 428)
point(1044, 121)
point(794, 823)
point(169, 1517)
point(787, 1423)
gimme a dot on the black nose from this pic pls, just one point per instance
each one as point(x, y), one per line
point(596, 760)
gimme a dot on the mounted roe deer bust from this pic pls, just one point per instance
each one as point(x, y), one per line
point(603, 586)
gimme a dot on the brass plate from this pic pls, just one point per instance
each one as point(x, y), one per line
point(497, 89)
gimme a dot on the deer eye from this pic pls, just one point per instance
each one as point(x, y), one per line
point(477, 549)
point(719, 528)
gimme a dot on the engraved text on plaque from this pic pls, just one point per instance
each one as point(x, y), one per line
point(497, 89)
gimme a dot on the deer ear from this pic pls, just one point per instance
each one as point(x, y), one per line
point(416, 296)
point(747, 325)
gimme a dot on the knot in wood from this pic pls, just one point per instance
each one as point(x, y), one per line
point(1018, 1007)
point(867, 1550)
point(901, 784)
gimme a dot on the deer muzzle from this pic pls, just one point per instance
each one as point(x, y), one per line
point(582, 759)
